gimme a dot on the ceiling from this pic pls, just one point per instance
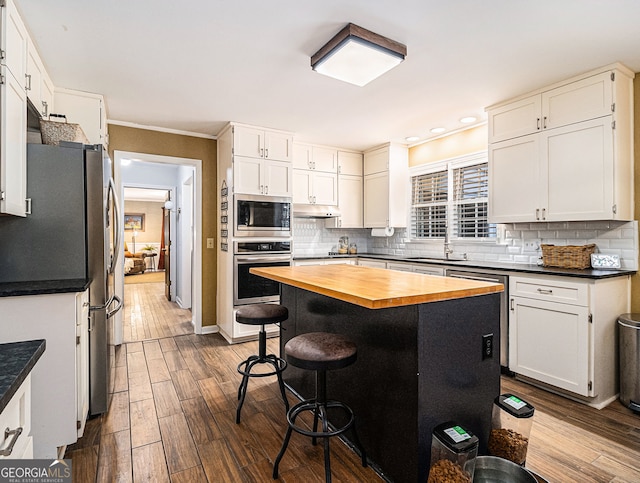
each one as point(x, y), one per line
point(192, 66)
point(145, 194)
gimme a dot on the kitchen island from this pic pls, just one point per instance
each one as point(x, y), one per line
point(421, 354)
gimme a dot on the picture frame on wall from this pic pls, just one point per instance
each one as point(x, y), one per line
point(134, 222)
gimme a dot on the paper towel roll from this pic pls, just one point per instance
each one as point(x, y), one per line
point(382, 231)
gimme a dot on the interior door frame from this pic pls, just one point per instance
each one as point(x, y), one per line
point(196, 299)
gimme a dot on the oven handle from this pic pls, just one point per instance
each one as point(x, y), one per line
point(261, 259)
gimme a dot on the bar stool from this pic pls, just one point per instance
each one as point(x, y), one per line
point(320, 352)
point(261, 314)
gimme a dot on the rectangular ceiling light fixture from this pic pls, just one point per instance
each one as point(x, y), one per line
point(357, 55)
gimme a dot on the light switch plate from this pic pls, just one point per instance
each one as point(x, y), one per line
point(601, 261)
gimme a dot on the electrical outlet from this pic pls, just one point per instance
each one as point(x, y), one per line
point(209, 242)
point(531, 246)
point(487, 346)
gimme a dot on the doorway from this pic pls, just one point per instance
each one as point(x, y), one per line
point(179, 181)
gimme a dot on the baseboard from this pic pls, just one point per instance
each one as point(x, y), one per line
point(210, 329)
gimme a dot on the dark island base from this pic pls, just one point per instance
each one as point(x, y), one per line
point(418, 366)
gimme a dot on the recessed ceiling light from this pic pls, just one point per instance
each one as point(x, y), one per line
point(411, 139)
point(467, 120)
point(437, 130)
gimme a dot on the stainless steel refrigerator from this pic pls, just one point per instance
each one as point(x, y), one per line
point(70, 233)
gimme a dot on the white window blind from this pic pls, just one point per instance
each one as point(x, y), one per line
point(470, 198)
point(429, 194)
point(454, 198)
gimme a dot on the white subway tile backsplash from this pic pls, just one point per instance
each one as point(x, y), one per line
point(311, 238)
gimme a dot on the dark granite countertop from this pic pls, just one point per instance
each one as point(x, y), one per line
point(477, 264)
point(16, 360)
point(40, 287)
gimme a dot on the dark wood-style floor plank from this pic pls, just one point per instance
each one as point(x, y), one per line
point(172, 417)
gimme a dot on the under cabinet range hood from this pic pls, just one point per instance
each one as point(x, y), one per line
point(301, 210)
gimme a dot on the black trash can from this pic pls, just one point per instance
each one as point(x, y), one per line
point(629, 360)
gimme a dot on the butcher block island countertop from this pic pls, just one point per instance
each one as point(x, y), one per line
point(376, 288)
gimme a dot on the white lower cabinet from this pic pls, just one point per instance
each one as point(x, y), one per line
point(416, 268)
point(365, 262)
point(323, 261)
point(58, 395)
point(17, 417)
point(562, 333)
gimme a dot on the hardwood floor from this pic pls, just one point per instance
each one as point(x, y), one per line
point(172, 417)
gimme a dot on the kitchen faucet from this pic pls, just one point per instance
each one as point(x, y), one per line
point(447, 247)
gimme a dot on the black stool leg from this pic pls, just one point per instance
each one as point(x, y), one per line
point(285, 443)
point(242, 390)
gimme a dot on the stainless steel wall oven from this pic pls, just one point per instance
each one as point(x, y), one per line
point(252, 289)
point(262, 216)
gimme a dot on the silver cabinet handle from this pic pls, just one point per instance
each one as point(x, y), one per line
point(512, 307)
point(544, 122)
point(537, 213)
point(261, 152)
point(45, 111)
point(15, 433)
point(538, 123)
point(266, 153)
point(261, 189)
point(266, 189)
point(545, 291)
point(28, 78)
point(544, 215)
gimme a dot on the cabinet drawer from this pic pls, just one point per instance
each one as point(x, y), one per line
point(17, 414)
point(574, 293)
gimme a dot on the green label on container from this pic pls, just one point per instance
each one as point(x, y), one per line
point(457, 434)
point(515, 403)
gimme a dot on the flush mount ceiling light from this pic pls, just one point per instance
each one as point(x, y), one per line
point(467, 120)
point(437, 130)
point(358, 56)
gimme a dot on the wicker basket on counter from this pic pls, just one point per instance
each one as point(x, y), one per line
point(568, 256)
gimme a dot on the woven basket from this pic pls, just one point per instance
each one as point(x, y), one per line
point(569, 256)
point(55, 131)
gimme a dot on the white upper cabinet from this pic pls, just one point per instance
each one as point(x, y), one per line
point(38, 84)
point(86, 109)
point(13, 112)
point(262, 143)
point(315, 158)
point(13, 39)
point(350, 192)
point(575, 101)
point(313, 188)
point(564, 154)
point(386, 181)
point(257, 176)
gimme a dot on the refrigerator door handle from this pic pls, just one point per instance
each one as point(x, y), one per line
point(112, 312)
point(118, 237)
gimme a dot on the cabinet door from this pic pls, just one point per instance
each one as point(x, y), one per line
point(82, 358)
point(85, 109)
point(14, 39)
point(583, 100)
point(13, 145)
point(428, 270)
point(247, 175)
point(34, 76)
point(248, 142)
point(514, 180)
point(349, 163)
point(46, 95)
point(278, 146)
point(372, 263)
point(400, 267)
point(515, 119)
point(325, 188)
point(302, 190)
point(350, 201)
point(376, 200)
point(376, 161)
point(578, 165)
point(550, 342)
point(277, 178)
point(325, 159)
point(302, 156)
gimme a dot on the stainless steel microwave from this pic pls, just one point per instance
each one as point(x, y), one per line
point(264, 216)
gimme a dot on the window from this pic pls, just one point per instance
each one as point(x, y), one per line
point(451, 197)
